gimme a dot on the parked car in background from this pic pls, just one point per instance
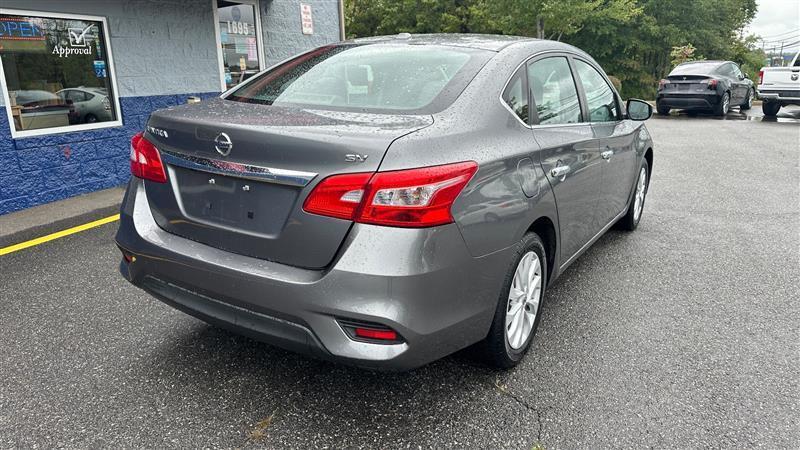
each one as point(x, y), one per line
point(705, 85)
point(91, 104)
point(779, 86)
point(40, 108)
point(386, 201)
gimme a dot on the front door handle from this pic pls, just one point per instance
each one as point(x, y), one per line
point(560, 171)
point(607, 154)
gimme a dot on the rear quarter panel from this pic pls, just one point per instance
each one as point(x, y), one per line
point(492, 212)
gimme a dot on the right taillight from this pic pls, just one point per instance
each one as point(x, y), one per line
point(413, 198)
point(760, 77)
point(145, 160)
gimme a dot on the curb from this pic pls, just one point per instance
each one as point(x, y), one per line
point(27, 224)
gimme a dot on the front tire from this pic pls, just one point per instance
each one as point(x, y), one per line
point(770, 109)
point(724, 105)
point(748, 102)
point(631, 219)
point(519, 307)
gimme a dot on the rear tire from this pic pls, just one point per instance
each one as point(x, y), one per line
point(636, 207)
point(662, 110)
point(748, 101)
point(724, 105)
point(770, 109)
point(502, 347)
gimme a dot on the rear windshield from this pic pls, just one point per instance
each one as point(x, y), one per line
point(699, 68)
point(376, 77)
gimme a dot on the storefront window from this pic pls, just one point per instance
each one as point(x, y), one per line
point(239, 41)
point(56, 73)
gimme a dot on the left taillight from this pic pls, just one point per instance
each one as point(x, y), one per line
point(712, 83)
point(145, 160)
point(413, 198)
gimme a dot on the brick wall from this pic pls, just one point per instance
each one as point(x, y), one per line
point(43, 169)
point(283, 37)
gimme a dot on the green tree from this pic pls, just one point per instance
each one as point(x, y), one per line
point(631, 39)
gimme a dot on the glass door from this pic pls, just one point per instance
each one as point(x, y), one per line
point(239, 36)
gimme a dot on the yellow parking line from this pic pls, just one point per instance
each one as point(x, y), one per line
point(58, 234)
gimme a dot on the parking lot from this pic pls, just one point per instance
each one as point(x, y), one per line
point(682, 334)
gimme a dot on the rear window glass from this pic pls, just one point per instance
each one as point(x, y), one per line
point(380, 77)
point(700, 68)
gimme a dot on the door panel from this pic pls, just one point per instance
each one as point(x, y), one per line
point(616, 141)
point(573, 150)
point(569, 153)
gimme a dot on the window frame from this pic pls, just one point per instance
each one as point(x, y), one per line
point(582, 92)
point(112, 75)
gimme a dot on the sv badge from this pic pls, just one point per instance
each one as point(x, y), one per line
point(355, 158)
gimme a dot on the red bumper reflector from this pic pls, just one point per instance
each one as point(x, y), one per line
point(384, 335)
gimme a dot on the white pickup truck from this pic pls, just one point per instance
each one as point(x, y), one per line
point(779, 86)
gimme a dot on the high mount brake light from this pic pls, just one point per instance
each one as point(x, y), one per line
point(145, 160)
point(414, 198)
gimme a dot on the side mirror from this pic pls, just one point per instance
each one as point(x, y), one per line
point(741, 77)
point(638, 109)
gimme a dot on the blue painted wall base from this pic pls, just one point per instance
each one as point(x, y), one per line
point(44, 169)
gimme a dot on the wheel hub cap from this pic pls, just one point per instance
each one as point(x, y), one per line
point(523, 300)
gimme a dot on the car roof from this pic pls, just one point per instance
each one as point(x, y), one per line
point(704, 61)
point(492, 42)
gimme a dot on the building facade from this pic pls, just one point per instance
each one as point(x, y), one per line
point(80, 77)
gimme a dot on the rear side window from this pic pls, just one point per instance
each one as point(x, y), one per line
point(381, 77)
point(554, 92)
point(600, 98)
point(516, 96)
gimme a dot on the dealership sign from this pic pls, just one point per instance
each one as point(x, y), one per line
point(79, 43)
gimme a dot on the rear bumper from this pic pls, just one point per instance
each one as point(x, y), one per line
point(689, 100)
point(421, 282)
point(786, 97)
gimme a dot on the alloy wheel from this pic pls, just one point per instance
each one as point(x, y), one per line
point(726, 103)
point(641, 188)
point(523, 300)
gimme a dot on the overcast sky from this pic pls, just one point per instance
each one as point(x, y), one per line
point(776, 21)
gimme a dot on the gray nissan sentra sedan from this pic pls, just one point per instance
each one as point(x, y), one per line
point(387, 201)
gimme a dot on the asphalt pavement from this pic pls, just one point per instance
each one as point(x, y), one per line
point(685, 333)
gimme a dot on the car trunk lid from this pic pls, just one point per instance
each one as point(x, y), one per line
point(238, 174)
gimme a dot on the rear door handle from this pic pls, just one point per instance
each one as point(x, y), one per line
point(607, 154)
point(560, 171)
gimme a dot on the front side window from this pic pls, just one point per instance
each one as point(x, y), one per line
point(49, 64)
point(600, 98)
point(554, 91)
point(379, 77)
point(516, 97)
